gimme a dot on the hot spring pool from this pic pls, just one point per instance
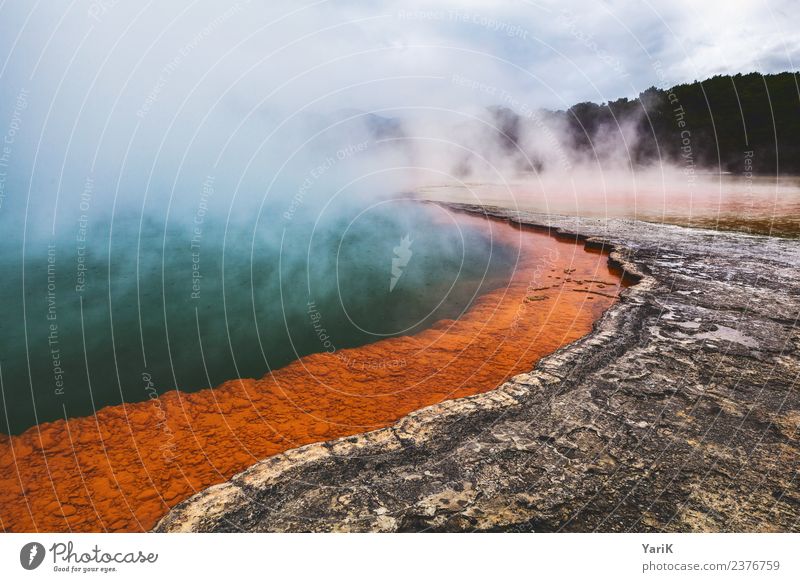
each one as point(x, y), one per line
point(125, 310)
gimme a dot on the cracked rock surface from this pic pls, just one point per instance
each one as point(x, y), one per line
point(679, 412)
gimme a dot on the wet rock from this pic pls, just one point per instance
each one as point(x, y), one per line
point(678, 413)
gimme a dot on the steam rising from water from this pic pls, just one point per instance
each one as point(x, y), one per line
point(193, 177)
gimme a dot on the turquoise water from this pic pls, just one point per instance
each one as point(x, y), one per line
point(141, 306)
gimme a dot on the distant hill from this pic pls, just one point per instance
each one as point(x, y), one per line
point(719, 119)
point(728, 123)
point(738, 124)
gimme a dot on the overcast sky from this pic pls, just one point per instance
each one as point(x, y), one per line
point(549, 53)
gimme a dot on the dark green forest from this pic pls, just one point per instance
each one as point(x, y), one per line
point(739, 123)
point(723, 118)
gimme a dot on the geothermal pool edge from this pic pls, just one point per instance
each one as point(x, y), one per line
point(678, 412)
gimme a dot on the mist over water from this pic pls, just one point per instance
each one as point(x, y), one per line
point(153, 242)
point(194, 194)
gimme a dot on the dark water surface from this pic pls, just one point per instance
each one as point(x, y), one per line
point(140, 308)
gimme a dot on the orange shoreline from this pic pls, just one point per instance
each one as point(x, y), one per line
point(122, 469)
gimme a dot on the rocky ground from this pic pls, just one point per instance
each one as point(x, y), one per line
point(680, 412)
